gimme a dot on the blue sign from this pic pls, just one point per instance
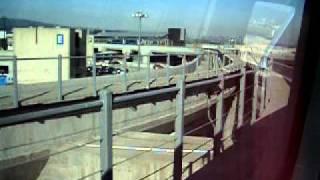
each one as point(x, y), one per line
point(60, 39)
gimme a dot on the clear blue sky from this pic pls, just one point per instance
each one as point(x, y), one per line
point(200, 17)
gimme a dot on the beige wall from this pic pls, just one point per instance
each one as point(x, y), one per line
point(37, 43)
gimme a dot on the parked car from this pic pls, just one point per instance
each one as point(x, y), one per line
point(104, 70)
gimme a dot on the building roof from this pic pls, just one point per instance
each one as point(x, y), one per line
point(129, 34)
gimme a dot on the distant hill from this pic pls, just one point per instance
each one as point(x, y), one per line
point(11, 23)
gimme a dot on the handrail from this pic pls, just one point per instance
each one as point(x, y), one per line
point(119, 101)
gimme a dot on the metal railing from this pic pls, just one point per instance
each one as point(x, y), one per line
point(108, 102)
point(214, 63)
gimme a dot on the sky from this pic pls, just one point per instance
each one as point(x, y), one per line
point(199, 17)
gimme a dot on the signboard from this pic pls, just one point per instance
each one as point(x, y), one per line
point(60, 39)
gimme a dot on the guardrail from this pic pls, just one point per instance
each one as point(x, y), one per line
point(215, 63)
point(108, 102)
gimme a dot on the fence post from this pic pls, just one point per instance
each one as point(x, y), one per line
point(263, 90)
point(255, 97)
point(242, 96)
point(184, 59)
point(148, 74)
point(167, 69)
point(106, 135)
point(179, 130)
point(60, 77)
point(94, 74)
point(125, 77)
point(223, 60)
point(15, 83)
point(196, 71)
point(218, 128)
point(268, 81)
point(209, 65)
point(219, 108)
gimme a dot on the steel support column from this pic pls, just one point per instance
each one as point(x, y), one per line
point(15, 83)
point(219, 108)
point(125, 75)
point(179, 131)
point(242, 97)
point(106, 135)
point(255, 97)
point(60, 78)
point(184, 59)
point(148, 74)
point(167, 69)
point(94, 74)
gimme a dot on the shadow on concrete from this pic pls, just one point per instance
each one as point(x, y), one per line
point(34, 96)
point(133, 83)
point(26, 171)
point(73, 91)
point(258, 153)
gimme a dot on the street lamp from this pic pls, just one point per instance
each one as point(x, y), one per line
point(140, 15)
point(4, 42)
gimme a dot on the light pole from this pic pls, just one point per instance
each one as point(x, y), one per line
point(140, 15)
point(4, 42)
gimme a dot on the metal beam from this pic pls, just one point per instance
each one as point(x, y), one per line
point(66, 110)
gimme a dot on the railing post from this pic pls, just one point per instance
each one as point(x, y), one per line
point(255, 97)
point(217, 64)
point(94, 74)
point(148, 74)
point(15, 83)
point(218, 128)
point(106, 135)
point(209, 65)
point(125, 77)
point(263, 91)
point(242, 96)
point(219, 108)
point(223, 60)
point(184, 59)
point(268, 81)
point(167, 69)
point(179, 130)
point(199, 57)
point(60, 77)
